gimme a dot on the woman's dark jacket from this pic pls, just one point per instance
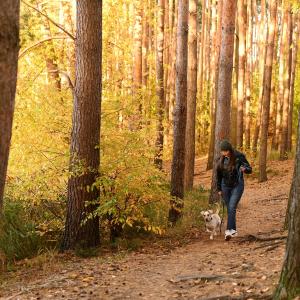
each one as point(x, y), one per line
point(230, 176)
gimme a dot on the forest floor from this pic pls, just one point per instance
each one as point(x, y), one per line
point(247, 267)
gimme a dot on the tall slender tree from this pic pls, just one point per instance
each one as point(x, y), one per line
point(261, 64)
point(137, 64)
point(295, 47)
point(9, 50)
point(224, 83)
point(178, 162)
point(212, 80)
point(191, 96)
point(248, 72)
point(82, 227)
point(267, 93)
point(242, 21)
point(289, 282)
point(286, 79)
point(160, 82)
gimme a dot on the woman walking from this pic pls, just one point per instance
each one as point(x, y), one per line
point(230, 182)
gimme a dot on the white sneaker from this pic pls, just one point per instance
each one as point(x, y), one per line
point(228, 235)
point(233, 232)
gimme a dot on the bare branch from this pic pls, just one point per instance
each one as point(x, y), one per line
point(37, 44)
point(51, 20)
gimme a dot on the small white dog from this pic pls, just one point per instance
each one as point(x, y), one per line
point(212, 222)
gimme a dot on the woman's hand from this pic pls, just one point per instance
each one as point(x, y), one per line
point(243, 169)
point(220, 193)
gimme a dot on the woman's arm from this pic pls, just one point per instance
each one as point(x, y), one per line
point(245, 164)
point(219, 178)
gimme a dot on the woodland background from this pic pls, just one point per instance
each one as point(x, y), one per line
point(137, 111)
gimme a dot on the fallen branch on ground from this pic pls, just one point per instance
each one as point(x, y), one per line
point(270, 244)
point(254, 238)
point(242, 297)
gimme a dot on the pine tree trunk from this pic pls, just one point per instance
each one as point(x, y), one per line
point(261, 64)
point(137, 65)
point(242, 21)
point(286, 81)
point(50, 56)
point(224, 84)
point(191, 96)
point(296, 36)
point(160, 83)
point(172, 71)
point(178, 162)
point(145, 49)
point(85, 139)
point(289, 283)
point(247, 74)
point(212, 81)
point(267, 93)
point(9, 50)
point(201, 51)
point(233, 130)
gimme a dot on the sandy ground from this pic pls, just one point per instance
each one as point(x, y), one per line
point(243, 268)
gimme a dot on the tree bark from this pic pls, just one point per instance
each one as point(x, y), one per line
point(178, 162)
point(215, 51)
point(267, 93)
point(224, 84)
point(242, 21)
point(289, 282)
point(286, 81)
point(295, 47)
point(137, 65)
point(191, 96)
point(85, 140)
point(248, 75)
point(261, 64)
point(9, 51)
point(160, 83)
point(201, 51)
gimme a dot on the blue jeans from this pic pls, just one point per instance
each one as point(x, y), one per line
point(232, 196)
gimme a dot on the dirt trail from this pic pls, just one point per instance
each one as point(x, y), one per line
point(204, 269)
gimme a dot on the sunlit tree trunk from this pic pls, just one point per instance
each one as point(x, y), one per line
point(160, 82)
point(278, 120)
point(9, 50)
point(261, 64)
point(248, 74)
point(172, 70)
point(178, 162)
point(295, 46)
point(50, 56)
point(267, 93)
point(85, 138)
point(286, 81)
point(289, 283)
point(233, 128)
point(216, 7)
point(191, 96)
point(201, 51)
point(145, 48)
point(224, 83)
point(242, 21)
point(137, 64)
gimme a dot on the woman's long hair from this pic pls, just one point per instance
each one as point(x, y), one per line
point(232, 161)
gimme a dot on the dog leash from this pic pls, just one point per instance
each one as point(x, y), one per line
point(223, 210)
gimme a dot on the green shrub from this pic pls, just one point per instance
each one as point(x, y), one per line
point(18, 237)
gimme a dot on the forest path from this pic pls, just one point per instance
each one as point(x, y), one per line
point(204, 269)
